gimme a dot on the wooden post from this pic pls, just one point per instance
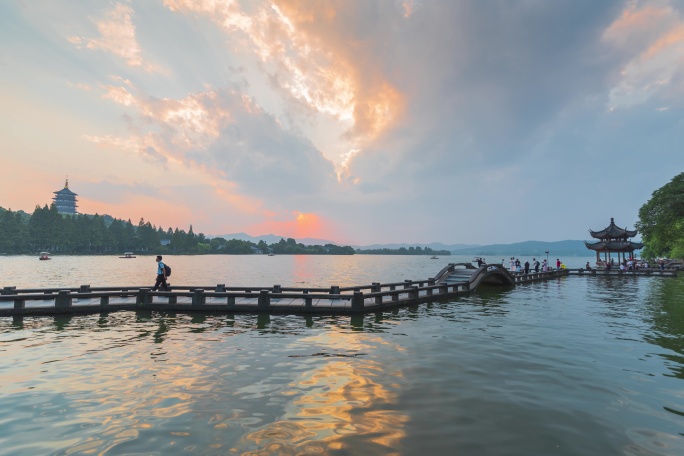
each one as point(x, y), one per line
point(63, 299)
point(334, 289)
point(19, 303)
point(198, 297)
point(84, 289)
point(407, 284)
point(376, 287)
point(104, 300)
point(357, 301)
point(220, 287)
point(413, 293)
point(308, 302)
point(264, 299)
point(8, 290)
point(277, 289)
point(378, 299)
point(143, 297)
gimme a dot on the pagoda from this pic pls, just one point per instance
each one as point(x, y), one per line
point(65, 200)
point(613, 239)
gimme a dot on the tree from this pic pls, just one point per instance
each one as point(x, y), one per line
point(661, 221)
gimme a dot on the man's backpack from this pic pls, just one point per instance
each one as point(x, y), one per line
point(167, 269)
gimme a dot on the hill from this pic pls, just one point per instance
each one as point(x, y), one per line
point(530, 248)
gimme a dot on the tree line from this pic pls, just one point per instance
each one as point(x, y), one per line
point(661, 221)
point(404, 251)
point(48, 230)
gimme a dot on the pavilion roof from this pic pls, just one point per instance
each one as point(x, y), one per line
point(614, 246)
point(613, 231)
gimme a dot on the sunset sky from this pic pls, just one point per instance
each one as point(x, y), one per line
point(356, 121)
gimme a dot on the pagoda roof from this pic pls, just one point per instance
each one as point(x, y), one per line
point(65, 191)
point(614, 246)
point(613, 231)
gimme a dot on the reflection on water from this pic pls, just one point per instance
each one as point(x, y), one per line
point(346, 395)
point(587, 365)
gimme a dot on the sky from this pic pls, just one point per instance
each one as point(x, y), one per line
point(355, 121)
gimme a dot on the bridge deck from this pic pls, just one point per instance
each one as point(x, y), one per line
point(452, 281)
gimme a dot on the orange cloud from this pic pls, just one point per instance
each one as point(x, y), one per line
point(315, 58)
point(654, 35)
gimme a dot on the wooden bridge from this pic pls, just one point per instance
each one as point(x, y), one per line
point(453, 280)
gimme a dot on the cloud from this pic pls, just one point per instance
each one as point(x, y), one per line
point(393, 118)
point(117, 37)
point(653, 36)
point(226, 134)
point(305, 48)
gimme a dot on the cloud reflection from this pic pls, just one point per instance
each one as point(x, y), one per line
point(334, 402)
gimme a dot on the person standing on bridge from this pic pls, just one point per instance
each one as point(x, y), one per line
point(161, 275)
point(535, 263)
point(527, 267)
point(545, 266)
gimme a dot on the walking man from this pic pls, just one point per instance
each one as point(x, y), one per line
point(161, 276)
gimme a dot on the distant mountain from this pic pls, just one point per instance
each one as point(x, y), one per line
point(432, 245)
point(270, 239)
point(530, 248)
point(573, 248)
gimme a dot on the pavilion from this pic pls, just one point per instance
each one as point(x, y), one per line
point(613, 239)
point(65, 200)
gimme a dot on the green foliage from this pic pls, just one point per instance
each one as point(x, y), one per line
point(47, 229)
point(661, 221)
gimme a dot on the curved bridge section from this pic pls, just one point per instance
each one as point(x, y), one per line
point(467, 274)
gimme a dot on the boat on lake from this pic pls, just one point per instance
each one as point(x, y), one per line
point(128, 255)
point(44, 256)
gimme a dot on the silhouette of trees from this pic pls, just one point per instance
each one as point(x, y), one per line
point(48, 230)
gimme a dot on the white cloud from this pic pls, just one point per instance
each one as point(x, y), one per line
point(117, 37)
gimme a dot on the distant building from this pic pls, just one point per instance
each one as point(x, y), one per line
point(165, 242)
point(613, 239)
point(65, 200)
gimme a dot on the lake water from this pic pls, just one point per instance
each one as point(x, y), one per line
point(574, 366)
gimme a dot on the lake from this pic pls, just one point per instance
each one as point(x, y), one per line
point(573, 366)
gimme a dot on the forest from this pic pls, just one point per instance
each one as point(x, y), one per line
point(48, 230)
point(661, 221)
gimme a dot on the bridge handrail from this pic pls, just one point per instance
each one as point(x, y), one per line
point(450, 268)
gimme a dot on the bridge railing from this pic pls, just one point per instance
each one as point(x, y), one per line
point(63, 300)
